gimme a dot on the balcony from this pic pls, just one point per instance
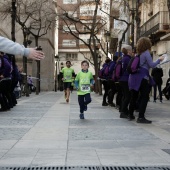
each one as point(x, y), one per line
point(157, 24)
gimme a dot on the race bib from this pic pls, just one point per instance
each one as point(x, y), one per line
point(85, 87)
point(68, 77)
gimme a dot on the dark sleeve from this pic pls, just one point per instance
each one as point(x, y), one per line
point(61, 75)
point(74, 75)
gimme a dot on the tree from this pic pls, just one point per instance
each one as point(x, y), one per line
point(84, 20)
point(168, 4)
point(35, 16)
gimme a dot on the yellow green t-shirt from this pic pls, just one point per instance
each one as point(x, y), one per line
point(67, 74)
point(84, 79)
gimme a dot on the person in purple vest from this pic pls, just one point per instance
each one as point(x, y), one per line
point(105, 85)
point(140, 82)
point(123, 81)
point(5, 84)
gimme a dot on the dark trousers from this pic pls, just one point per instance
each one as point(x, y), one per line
point(144, 97)
point(119, 95)
point(125, 96)
point(112, 91)
point(155, 91)
point(6, 99)
point(84, 100)
point(106, 89)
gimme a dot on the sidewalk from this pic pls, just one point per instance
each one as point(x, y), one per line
point(45, 131)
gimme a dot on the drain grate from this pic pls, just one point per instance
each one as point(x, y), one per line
point(87, 168)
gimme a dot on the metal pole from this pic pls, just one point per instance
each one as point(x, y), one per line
point(56, 77)
point(13, 18)
point(107, 48)
point(25, 64)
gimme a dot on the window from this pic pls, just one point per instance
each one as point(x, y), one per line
point(71, 57)
point(87, 10)
point(69, 43)
point(69, 1)
point(72, 27)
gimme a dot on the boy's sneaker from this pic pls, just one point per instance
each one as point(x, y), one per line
point(85, 107)
point(154, 101)
point(81, 116)
point(143, 120)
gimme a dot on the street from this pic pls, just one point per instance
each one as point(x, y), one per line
point(43, 130)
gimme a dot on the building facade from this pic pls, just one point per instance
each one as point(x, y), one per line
point(70, 47)
point(155, 24)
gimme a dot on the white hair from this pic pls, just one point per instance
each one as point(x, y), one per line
point(127, 47)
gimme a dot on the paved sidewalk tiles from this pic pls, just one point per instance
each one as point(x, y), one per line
point(44, 130)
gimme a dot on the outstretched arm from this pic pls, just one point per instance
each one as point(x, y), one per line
point(8, 46)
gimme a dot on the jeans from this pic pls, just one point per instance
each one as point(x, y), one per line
point(84, 100)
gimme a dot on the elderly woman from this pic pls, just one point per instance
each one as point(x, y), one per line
point(123, 81)
point(140, 82)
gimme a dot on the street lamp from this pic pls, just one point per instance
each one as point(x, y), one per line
point(38, 73)
point(107, 39)
point(133, 10)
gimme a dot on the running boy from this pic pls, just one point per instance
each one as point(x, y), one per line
point(84, 83)
point(67, 75)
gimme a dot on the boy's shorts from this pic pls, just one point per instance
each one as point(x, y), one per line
point(67, 85)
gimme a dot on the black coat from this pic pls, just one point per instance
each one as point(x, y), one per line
point(157, 74)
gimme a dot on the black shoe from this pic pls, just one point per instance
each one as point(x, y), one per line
point(81, 116)
point(117, 107)
point(3, 110)
point(167, 97)
point(105, 104)
point(131, 117)
point(112, 105)
point(143, 120)
point(85, 107)
point(123, 115)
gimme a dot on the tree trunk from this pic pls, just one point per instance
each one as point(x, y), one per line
point(168, 4)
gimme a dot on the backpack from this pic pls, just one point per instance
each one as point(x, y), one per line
point(104, 72)
point(134, 64)
point(111, 67)
point(117, 71)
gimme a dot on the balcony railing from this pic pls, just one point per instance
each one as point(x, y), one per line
point(159, 21)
